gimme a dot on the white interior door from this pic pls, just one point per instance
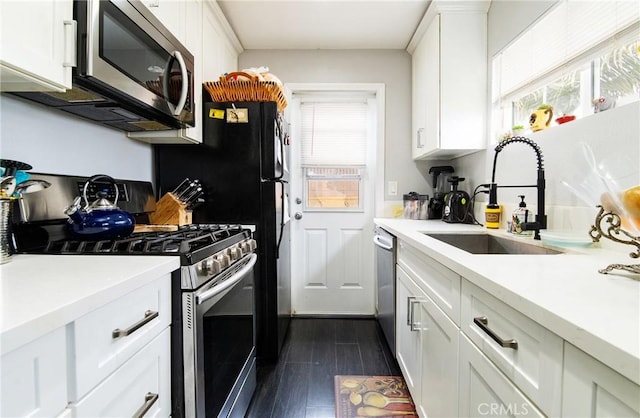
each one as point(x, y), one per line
point(331, 248)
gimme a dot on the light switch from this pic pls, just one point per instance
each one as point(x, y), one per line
point(393, 188)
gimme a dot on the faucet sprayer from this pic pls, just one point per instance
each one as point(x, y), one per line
point(541, 218)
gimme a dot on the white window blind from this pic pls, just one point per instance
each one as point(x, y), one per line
point(569, 30)
point(334, 133)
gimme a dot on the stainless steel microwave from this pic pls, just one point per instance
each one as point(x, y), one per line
point(131, 74)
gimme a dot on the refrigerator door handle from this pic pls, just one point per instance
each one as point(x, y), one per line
point(284, 208)
point(281, 160)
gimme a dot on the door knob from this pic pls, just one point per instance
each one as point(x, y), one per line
point(298, 215)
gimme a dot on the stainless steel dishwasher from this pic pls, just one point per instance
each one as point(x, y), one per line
point(386, 282)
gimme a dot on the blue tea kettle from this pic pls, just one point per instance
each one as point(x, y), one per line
point(100, 220)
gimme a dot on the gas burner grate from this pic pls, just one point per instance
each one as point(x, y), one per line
point(189, 239)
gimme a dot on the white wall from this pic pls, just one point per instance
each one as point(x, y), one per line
point(613, 135)
point(53, 142)
point(391, 67)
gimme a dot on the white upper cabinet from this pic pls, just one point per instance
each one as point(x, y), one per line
point(173, 15)
point(37, 50)
point(449, 95)
point(201, 26)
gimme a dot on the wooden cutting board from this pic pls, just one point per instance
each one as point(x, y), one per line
point(155, 228)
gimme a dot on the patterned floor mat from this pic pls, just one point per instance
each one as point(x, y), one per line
point(373, 396)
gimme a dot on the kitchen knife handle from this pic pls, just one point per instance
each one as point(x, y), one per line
point(178, 188)
point(148, 317)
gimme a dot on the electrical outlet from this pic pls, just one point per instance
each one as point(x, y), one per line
point(393, 188)
point(237, 115)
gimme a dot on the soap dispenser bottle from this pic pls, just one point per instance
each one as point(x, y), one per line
point(519, 216)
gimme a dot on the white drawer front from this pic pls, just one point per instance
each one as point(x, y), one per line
point(437, 281)
point(34, 378)
point(98, 353)
point(485, 391)
point(535, 366)
point(134, 385)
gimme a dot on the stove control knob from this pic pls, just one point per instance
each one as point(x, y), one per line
point(235, 253)
point(248, 246)
point(210, 267)
point(224, 260)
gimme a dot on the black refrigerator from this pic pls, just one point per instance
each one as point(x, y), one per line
point(242, 166)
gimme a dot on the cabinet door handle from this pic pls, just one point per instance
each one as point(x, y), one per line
point(149, 400)
point(70, 43)
point(483, 323)
point(148, 317)
point(412, 326)
point(419, 139)
point(409, 311)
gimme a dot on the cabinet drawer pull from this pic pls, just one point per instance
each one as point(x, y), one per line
point(148, 317)
point(149, 400)
point(419, 140)
point(483, 322)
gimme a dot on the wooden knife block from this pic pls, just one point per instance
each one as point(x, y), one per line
point(170, 211)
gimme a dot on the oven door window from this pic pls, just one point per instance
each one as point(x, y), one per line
point(228, 341)
point(133, 52)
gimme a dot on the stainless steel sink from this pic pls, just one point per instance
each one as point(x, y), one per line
point(490, 244)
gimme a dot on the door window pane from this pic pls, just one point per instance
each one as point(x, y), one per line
point(337, 188)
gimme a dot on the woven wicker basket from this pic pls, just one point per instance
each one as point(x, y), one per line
point(249, 89)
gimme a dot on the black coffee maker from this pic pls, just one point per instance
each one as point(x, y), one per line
point(457, 204)
point(436, 203)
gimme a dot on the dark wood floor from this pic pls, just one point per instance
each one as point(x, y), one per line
point(301, 383)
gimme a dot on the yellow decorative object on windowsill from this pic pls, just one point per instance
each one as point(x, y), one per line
point(541, 118)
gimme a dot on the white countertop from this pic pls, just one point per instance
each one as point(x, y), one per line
point(40, 293)
point(598, 313)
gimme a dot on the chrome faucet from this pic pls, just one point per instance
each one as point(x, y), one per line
point(541, 218)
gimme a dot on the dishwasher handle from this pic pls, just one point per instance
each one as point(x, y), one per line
point(383, 242)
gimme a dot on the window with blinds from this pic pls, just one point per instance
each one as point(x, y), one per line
point(577, 52)
point(334, 133)
point(334, 136)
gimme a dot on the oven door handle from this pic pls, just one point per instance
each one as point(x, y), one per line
point(230, 282)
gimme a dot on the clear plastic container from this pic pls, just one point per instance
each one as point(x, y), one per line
point(415, 205)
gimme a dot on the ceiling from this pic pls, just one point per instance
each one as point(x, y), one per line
point(324, 24)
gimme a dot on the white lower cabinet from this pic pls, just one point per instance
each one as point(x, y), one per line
point(138, 316)
point(34, 378)
point(439, 362)
point(140, 387)
point(464, 352)
point(426, 349)
point(407, 337)
point(591, 389)
point(485, 391)
point(526, 352)
point(122, 355)
point(114, 361)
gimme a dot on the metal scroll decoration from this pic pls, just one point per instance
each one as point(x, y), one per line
point(608, 225)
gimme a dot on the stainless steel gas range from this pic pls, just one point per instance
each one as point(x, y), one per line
point(213, 301)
